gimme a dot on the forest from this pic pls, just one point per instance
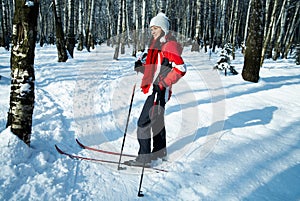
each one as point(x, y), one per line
point(210, 23)
point(262, 28)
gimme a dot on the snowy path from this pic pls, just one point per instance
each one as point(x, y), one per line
point(227, 139)
point(92, 104)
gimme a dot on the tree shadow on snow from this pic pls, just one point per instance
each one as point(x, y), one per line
point(4, 80)
point(283, 186)
point(268, 174)
point(239, 120)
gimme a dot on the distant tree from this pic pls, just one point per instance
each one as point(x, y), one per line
point(297, 54)
point(208, 23)
point(291, 35)
point(60, 37)
point(270, 21)
point(196, 45)
point(5, 23)
point(282, 21)
point(22, 68)
point(235, 28)
point(90, 23)
point(1, 26)
point(119, 27)
point(80, 25)
point(70, 34)
point(254, 43)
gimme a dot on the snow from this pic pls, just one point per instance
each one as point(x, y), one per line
point(227, 139)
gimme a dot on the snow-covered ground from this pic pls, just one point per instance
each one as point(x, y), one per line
point(227, 139)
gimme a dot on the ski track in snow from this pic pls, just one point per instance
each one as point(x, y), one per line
point(233, 140)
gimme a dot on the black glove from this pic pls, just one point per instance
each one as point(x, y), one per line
point(165, 62)
point(138, 66)
point(159, 89)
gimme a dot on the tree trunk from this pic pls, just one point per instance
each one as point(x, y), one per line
point(162, 6)
point(267, 37)
point(123, 35)
point(80, 26)
point(254, 43)
point(22, 69)
point(224, 5)
point(1, 26)
point(288, 39)
point(135, 31)
point(71, 36)
point(298, 55)
point(117, 48)
point(235, 28)
point(60, 37)
point(196, 45)
point(89, 33)
point(246, 27)
point(5, 24)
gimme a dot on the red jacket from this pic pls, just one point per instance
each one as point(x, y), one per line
point(170, 50)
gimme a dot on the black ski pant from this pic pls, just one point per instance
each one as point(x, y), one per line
point(152, 119)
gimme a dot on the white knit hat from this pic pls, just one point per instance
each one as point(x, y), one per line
point(162, 21)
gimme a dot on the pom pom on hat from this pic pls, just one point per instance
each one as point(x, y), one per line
point(162, 21)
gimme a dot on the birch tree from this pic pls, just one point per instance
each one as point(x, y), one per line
point(1, 26)
point(80, 26)
point(22, 69)
point(195, 45)
point(267, 37)
point(60, 36)
point(5, 24)
point(223, 19)
point(291, 30)
point(235, 28)
point(254, 43)
point(89, 29)
point(123, 35)
point(70, 35)
point(117, 48)
point(246, 26)
point(211, 22)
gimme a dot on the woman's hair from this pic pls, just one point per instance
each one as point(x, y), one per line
point(157, 45)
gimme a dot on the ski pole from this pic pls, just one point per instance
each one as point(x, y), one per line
point(140, 194)
point(132, 95)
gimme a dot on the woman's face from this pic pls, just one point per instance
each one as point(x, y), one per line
point(156, 31)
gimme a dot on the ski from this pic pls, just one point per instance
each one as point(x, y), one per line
point(77, 157)
point(102, 151)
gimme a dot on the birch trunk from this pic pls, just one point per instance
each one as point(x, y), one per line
point(22, 69)
point(254, 43)
point(235, 28)
point(267, 18)
point(60, 37)
point(80, 26)
point(70, 35)
point(291, 30)
point(134, 46)
point(117, 48)
point(123, 34)
point(89, 33)
point(1, 26)
point(267, 37)
point(109, 33)
point(143, 40)
point(5, 24)
point(222, 23)
point(195, 45)
point(246, 27)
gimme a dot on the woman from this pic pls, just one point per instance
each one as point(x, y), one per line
point(163, 68)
